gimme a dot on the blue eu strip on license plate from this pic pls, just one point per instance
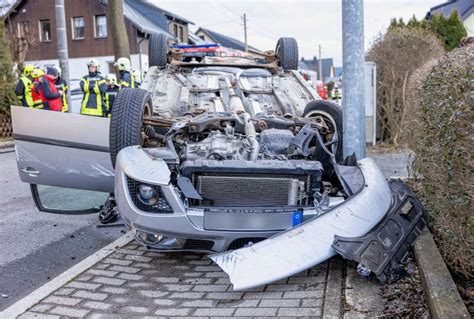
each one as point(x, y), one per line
point(297, 218)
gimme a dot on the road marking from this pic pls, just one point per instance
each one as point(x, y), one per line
point(48, 288)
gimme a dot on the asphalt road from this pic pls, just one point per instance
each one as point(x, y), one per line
point(37, 246)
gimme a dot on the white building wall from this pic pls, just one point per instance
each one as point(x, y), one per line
point(469, 25)
point(78, 66)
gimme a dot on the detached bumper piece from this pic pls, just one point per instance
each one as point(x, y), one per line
point(382, 250)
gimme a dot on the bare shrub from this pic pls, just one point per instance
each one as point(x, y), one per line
point(412, 120)
point(398, 53)
point(444, 161)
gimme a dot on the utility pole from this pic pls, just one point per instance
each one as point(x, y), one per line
point(63, 54)
point(353, 86)
point(245, 31)
point(320, 62)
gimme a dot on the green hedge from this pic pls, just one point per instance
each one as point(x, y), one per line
point(444, 164)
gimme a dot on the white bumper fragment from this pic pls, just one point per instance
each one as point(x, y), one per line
point(309, 244)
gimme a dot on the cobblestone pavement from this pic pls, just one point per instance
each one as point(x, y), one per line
point(135, 283)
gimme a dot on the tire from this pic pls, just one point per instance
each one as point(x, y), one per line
point(127, 119)
point(331, 112)
point(287, 53)
point(158, 50)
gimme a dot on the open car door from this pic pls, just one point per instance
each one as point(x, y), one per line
point(64, 157)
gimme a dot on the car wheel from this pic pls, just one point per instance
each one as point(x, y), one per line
point(158, 50)
point(126, 122)
point(287, 53)
point(331, 115)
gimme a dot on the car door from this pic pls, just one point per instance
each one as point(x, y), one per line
point(65, 157)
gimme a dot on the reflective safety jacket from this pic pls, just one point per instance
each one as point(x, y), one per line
point(62, 85)
point(51, 97)
point(93, 85)
point(110, 94)
point(127, 80)
point(37, 95)
point(23, 91)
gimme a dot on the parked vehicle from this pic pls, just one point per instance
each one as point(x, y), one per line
point(217, 154)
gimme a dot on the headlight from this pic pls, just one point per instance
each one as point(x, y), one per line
point(147, 194)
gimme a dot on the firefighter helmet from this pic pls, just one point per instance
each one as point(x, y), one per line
point(123, 64)
point(28, 69)
point(111, 78)
point(93, 62)
point(37, 73)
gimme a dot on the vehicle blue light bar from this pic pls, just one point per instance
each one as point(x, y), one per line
point(189, 46)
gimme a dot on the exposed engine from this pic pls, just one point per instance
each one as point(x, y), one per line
point(235, 160)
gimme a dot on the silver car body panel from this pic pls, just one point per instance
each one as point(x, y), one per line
point(309, 244)
point(62, 149)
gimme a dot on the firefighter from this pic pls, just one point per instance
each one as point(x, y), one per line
point(337, 96)
point(127, 79)
point(24, 86)
point(93, 85)
point(138, 77)
point(52, 97)
point(36, 91)
point(61, 84)
point(111, 92)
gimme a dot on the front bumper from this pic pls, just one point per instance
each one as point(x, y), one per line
point(370, 213)
point(221, 230)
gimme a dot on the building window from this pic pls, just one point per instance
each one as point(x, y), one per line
point(78, 28)
point(45, 30)
point(181, 34)
point(100, 23)
point(175, 30)
point(178, 31)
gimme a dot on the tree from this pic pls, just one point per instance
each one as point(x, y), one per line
point(450, 30)
point(20, 42)
point(119, 32)
point(7, 76)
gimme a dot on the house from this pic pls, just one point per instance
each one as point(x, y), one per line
point(225, 41)
point(465, 9)
point(313, 65)
point(31, 25)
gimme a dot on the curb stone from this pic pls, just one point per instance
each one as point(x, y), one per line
point(442, 295)
point(6, 144)
point(42, 292)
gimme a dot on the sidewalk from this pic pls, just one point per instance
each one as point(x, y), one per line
point(133, 282)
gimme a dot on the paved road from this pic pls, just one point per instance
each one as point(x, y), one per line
point(36, 246)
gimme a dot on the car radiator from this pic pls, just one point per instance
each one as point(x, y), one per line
point(263, 183)
point(250, 191)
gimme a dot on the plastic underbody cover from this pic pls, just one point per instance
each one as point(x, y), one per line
point(383, 249)
point(309, 243)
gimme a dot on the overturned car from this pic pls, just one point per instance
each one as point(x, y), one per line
point(240, 158)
